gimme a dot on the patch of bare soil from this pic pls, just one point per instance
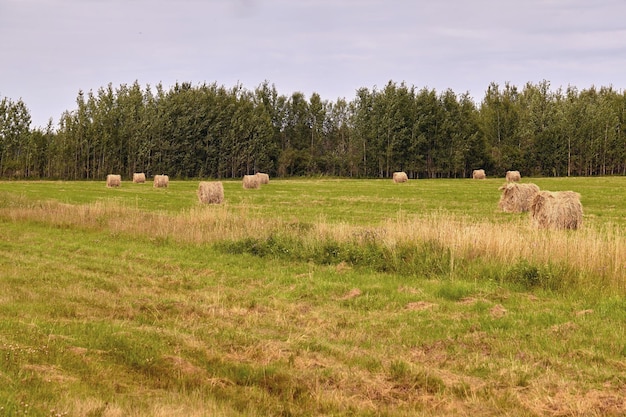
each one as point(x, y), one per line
point(355, 292)
point(420, 305)
point(498, 311)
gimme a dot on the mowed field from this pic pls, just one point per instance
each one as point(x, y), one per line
point(337, 200)
point(309, 297)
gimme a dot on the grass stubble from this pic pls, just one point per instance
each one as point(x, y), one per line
point(112, 310)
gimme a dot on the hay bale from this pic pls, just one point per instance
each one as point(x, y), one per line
point(263, 178)
point(251, 182)
point(211, 192)
point(513, 176)
point(557, 210)
point(161, 181)
point(114, 180)
point(517, 198)
point(139, 177)
point(399, 177)
point(479, 174)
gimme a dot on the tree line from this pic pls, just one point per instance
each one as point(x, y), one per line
point(209, 130)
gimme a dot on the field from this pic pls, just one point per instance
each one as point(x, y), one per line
point(309, 297)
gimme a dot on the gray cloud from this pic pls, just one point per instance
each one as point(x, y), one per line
point(58, 47)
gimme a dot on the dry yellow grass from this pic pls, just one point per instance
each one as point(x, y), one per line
point(171, 404)
point(600, 252)
point(596, 252)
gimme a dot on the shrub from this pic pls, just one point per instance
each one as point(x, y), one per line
point(528, 276)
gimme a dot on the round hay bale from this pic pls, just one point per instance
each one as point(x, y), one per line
point(399, 177)
point(517, 198)
point(263, 178)
point(139, 177)
point(513, 176)
point(161, 181)
point(114, 180)
point(557, 210)
point(211, 192)
point(251, 182)
point(479, 174)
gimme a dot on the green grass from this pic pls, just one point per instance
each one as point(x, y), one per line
point(302, 299)
point(337, 200)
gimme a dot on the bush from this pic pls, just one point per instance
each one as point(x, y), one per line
point(529, 276)
point(423, 259)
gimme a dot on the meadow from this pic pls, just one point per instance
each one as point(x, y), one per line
point(309, 297)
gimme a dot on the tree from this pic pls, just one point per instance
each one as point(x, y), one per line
point(542, 144)
point(428, 134)
point(317, 120)
point(14, 135)
point(297, 133)
point(499, 123)
point(363, 122)
point(210, 130)
point(341, 154)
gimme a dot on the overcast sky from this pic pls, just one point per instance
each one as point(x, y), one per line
point(51, 49)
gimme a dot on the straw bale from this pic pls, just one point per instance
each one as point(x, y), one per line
point(161, 181)
point(263, 178)
point(517, 198)
point(479, 174)
point(114, 180)
point(139, 177)
point(512, 176)
point(251, 182)
point(400, 176)
point(211, 192)
point(557, 210)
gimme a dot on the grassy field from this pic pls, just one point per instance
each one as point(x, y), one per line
point(309, 297)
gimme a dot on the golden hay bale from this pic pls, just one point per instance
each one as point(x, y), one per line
point(139, 177)
point(161, 181)
point(211, 192)
point(400, 177)
point(512, 176)
point(479, 174)
point(263, 178)
point(557, 210)
point(517, 198)
point(251, 181)
point(114, 180)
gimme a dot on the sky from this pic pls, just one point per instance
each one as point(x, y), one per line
point(52, 49)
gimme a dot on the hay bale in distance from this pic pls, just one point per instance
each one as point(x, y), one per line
point(513, 176)
point(114, 180)
point(399, 177)
point(251, 182)
point(517, 198)
point(211, 192)
point(139, 177)
point(479, 174)
point(161, 181)
point(263, 178)
point(557, 210)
